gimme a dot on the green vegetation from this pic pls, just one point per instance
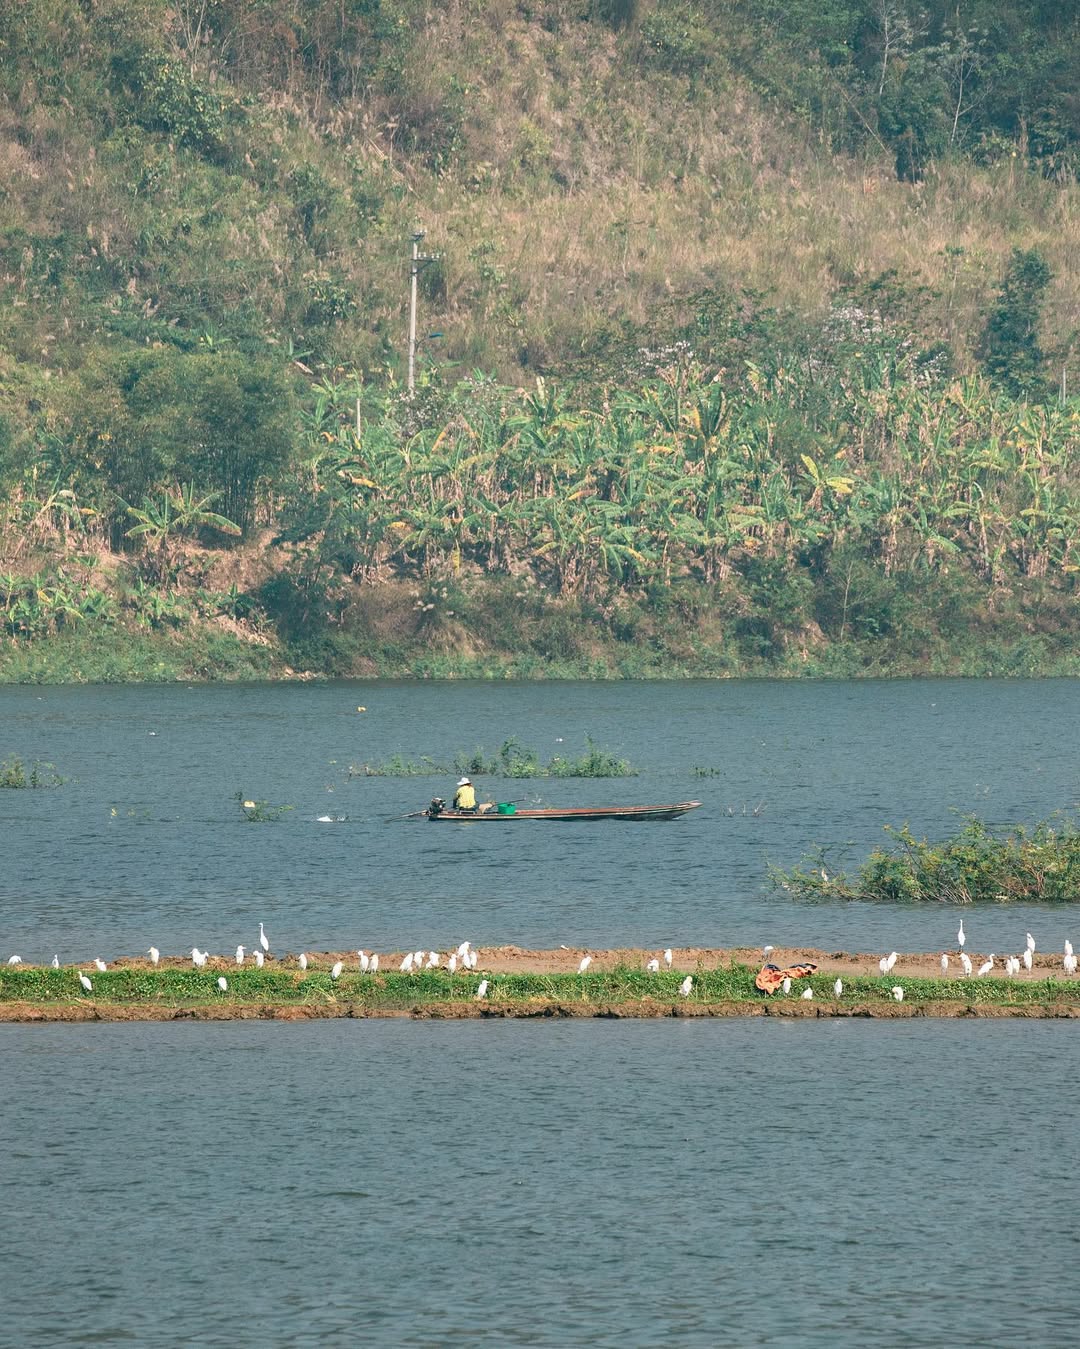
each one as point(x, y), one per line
point(13, 774)
point(752, 338)
point(630, 991)
point(977, 865)
point(512, 761)
point(261, 812)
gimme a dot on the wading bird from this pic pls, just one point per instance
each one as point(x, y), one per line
point(239, 955)
point(1026, 958)
point(264, 940)
point(965, 960)
point(432, 962)
point(586, 961)
point(335, 973)
point(259, 960)
point(883, 964)
point(838, 988)
point(668, 957)
point(56, 962)
point(223, 983)
point(88, 987)
point(363, 961)
point(1031, 943)
point(373, 964)
point(686, 985)
point(407, 964)
point(100, 965)
point(451, 962)
point(960, 938)
point(198, 957)
point(301, 960)
point(653, 966)
point(786, 985)
point(481, 992)
point(807, 994)
point(14, 960)
point(1068, 948)
point(154, 954)
point(898, 993)
point(985, 967)
point(944, 963)
point(1070, 964)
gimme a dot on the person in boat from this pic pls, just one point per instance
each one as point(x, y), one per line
point(465, 796)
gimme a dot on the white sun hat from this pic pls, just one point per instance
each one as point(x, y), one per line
point(464, 782)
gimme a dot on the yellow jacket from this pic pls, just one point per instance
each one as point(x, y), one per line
point(465, 798)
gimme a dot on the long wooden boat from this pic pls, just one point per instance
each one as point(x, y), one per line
point(439, 813)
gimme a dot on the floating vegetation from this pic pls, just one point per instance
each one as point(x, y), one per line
point(977, 865)
point(260, 812)
point(13, 773)
point(511, 761)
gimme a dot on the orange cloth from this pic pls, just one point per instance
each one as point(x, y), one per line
point(770, 977)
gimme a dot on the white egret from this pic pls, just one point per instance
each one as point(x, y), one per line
point(1070, 964)
point(56, 962)
point(301, 960)
point(100, 965)
point(223, 983)
point(260, 960)
point(898, 993)
point(154, 954)
point(198, 957)
point(239, 955)
point(1026, 958)
point(766, 952)
point(985, 967)
point(668, 957)
point(786, 985)
point(88, 987)
point(451, 962)
point(481, 992)
point(472, 958)
point(883, 964)
point(838, 989)
point(586, 961)
point(893, 958)
point(944, 963)
point(965, 960)
point(463, 950)
point(1068, 948)
point(407, 964)
point(373, 964)
point(264, 940)
point(432, 962)
point(335, 972)
point(363, 962)
point(653, 966)
point(686, 985)
point(1031, 943)
point(807, 994)
point(418, 959)
point(960, 938)
point(15, 960)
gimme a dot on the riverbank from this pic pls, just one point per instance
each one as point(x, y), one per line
point(512, 982)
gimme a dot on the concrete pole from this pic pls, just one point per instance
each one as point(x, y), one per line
point(414, 269)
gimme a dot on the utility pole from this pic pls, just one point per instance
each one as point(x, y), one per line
point(418, 260)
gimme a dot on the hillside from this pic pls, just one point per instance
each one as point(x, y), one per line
point(799, 284)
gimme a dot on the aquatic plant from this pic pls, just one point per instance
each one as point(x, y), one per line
point(260, 812)
point(13, 774)
point(511, 761)
point(978, 864)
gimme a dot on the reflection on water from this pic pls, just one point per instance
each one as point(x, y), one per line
point(692, 1183)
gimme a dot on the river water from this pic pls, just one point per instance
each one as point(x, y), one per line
point(586, 1183)
point(697, 1183)
point(146, 843)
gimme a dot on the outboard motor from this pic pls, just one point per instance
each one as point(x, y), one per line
point(436, 807)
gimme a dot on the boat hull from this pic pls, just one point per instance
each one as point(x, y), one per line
point(571, 813)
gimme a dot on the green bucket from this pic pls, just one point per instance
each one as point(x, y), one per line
point(506, 808)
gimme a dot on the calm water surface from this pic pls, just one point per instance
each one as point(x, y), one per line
point(623, 1184)
point(146, 843)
